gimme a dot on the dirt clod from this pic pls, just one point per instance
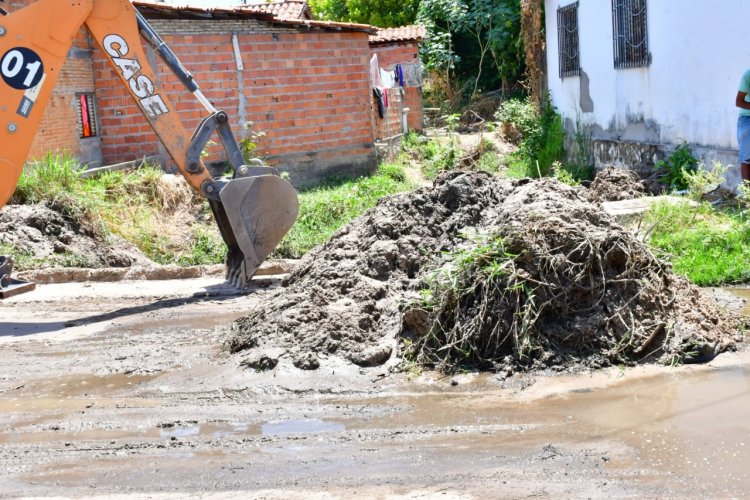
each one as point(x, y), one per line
point(52, 238)
point(615, 184)
point(570, 283)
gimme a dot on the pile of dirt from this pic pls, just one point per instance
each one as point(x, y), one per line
point(566, 285)
point(54, 239)
point(615, 184)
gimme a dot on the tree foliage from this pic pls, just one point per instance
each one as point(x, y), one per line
point(475, 41)
point(382, 13)
point(471, 45)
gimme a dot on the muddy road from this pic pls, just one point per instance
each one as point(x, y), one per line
point(123, 388)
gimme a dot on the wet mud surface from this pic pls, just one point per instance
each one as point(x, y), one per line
point(137, 397)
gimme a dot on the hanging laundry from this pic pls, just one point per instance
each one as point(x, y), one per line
point(378, 94)
point(400, 75)
point(374, 71)
point(387, 79)
point(412, 75)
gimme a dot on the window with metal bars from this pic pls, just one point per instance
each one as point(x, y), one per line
point(630, 28)
point(86, 115)
point(567, 36)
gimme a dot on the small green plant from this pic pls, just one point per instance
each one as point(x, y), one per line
point(490, 161)
point(249, 144)
point(205, 153)
point(701, 181)
point(562, 174)
point(743, 196)
point(452, 121)
point(206, 247)
point(580, 164)
point(673, 167)
point(394, 171)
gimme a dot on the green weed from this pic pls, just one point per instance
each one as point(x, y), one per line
point(674, 167)
point(541, 138)
point(490, 161)
point(206, 247)
point(327, 208)
point(707, 246)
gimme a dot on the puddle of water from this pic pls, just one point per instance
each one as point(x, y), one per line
point(52, 436)
point(697, 424)
point(692, 421)
point(76, 386)
point(202, 321)
point(304, 426)
point(74, 392)
point(180, 432)
point(743, 293)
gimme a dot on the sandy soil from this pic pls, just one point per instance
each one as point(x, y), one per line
point(123, 389)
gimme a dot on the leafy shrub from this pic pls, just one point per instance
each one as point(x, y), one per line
point(518, 119)
point(702, 181)
point(542, 145)
point(564, 174)
point(673, 167)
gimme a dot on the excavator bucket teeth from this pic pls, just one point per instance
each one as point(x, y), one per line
point(260, 211)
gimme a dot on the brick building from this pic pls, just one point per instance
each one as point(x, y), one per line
point(399, 46)
point(304, 83)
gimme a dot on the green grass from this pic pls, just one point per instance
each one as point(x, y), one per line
point(131, 204)
point(710, 248)
point(206, 247)
point(327, 208)
point(23, 259)
point(490, 161)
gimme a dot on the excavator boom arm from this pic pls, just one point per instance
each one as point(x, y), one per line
point(34, 42)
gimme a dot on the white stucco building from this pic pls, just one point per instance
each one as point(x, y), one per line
point(642, 75)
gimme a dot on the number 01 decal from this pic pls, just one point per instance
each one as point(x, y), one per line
point(21, 68)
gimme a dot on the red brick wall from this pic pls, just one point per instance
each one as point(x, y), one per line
point(388, 56)
point(59, 129)
point(390, 125)
point(307, 91)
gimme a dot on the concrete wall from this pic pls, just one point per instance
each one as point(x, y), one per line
point(699, 50)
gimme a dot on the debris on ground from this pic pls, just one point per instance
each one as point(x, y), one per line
point(563, 286)
point(48, 237)
point(616, 184)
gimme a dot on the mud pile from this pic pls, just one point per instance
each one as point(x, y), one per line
point(52, 238)
point(570, 286)
point(615, 184)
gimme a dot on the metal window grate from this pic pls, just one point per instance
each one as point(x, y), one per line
point(567, 36)
point(630, 29)
point(87, 126)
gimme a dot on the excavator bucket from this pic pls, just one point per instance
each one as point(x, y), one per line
point(260, 211)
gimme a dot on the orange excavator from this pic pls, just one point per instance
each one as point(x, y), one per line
point(254, 207)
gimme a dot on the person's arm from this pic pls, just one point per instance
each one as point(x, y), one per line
point(741, 102)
